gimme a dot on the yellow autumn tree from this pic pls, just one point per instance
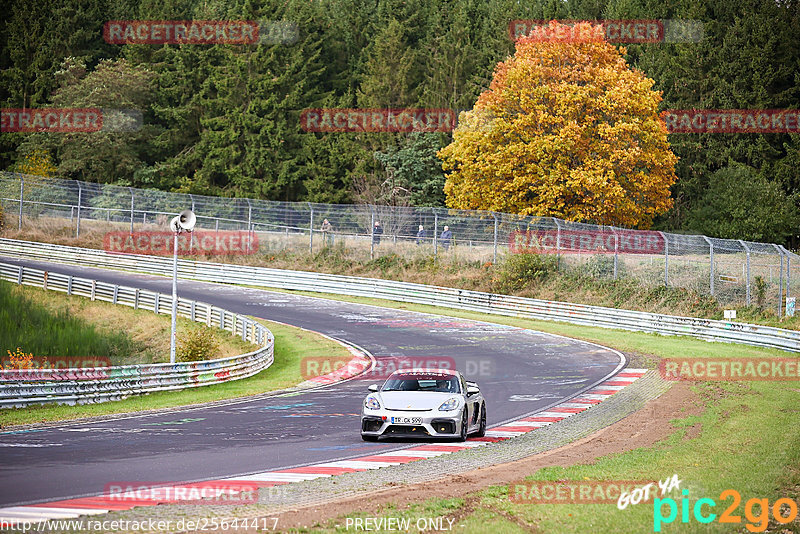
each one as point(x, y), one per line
point(36, 163)
point(568, 130)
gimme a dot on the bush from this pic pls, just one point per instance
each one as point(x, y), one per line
point(761, 291)
point(520, 270)
point(197, 344)
point(602, 266)
point(2, 218)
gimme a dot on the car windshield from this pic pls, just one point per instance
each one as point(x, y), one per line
point(440, 382)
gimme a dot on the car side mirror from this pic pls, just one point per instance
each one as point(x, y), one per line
point(472, 390)
point(373, 388)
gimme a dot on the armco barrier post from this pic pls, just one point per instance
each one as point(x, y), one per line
point(747, 270)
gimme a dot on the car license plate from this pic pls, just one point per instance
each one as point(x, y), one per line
point(407, 420)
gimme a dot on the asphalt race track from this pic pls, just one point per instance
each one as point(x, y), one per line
point(520, 372)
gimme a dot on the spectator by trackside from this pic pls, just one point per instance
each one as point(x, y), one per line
point(327, 233)
point(377, 230)
point(446, 236)
point(421, 235)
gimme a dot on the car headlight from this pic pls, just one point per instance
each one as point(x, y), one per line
point(450, 404)
point(372, 403)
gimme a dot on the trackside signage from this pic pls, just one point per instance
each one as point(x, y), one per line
point(198, 242)
point(586, 241)
point(730, 369)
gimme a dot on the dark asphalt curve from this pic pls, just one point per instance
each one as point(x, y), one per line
point(520, 372)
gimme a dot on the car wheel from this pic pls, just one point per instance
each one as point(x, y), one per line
point(482, 430)
point(369, 438)
point(464, 423)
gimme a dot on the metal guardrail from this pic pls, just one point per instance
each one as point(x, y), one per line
point(732, 271)
point(25, 387)
point(735, 332)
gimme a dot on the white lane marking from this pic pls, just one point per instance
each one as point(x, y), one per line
point(36, 512)
point(502, 434)
point(355, 464)
point(279, 477)
point(414, 453)
point(571, 405)
point(552, 414)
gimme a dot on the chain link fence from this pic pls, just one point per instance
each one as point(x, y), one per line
point(733, 271)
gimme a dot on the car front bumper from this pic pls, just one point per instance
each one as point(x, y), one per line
point(431, 423)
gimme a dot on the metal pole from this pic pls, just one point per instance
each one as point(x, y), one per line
point(666, 259)
point(372, 234)
point(780, 283)
point(21, 192)
point(191, 244)
point(616, 252)
point(249, 224)
point(174, 298)
point(747, 271)
point(494, 260)
point(310, 229)
point(78, 222)
point(132, 194)
point(435, 233)
point(788, 257)
point(558, 242)
point(711, 256)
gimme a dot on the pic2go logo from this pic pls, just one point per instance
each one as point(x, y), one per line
point(783, 511)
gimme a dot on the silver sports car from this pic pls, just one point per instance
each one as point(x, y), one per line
point(436, 403)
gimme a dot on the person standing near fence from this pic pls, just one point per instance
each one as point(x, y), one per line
point(446, 236)
point(421, 235)
point(327, 233)
point(377, 230)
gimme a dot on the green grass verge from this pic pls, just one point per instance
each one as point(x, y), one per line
point(44, 330)
point(291, 345)
point(746, 439)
